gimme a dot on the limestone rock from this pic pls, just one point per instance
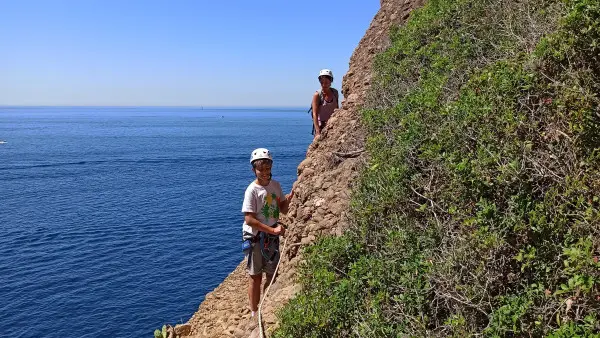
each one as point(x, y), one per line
point(183, 329)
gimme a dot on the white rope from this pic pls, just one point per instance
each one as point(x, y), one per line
point(260, 327)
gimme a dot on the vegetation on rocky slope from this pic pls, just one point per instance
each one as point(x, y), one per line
point(478, 213)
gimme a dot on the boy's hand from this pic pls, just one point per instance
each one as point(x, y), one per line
point(279, 231)
point(289, 196)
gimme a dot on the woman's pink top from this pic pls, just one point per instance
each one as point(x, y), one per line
point(326, 108)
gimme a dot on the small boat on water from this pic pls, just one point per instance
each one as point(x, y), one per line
point(2, 141)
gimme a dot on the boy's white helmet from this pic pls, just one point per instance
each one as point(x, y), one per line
point(326, 72)
point(261, 154)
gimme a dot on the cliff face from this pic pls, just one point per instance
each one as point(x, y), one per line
point(322, 192)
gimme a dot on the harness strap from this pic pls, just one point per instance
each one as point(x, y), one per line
point(269, 246)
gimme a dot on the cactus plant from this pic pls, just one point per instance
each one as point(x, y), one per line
point(161, 333)
point(167, 332)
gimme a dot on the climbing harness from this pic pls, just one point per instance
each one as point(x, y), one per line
point(269, 246)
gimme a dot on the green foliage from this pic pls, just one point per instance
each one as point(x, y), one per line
point(326, 271)
point(161, 333)
point(479, 212)
point(587, 328)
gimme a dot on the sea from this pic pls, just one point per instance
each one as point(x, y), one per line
point(117, 220)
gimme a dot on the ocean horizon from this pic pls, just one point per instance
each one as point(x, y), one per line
point(258, 108)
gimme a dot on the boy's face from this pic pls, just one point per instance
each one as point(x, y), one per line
point(263, 173)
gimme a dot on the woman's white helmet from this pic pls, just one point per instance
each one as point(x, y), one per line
point(326, 72)
point(260, 154)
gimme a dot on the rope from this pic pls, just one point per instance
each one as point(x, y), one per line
point(260, 326)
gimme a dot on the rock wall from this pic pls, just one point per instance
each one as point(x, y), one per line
point(321, 198)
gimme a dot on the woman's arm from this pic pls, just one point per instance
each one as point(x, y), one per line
point(315, 112)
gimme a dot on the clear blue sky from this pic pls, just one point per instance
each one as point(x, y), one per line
point(178, 52)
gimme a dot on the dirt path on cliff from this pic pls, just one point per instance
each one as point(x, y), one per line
point(321, 198)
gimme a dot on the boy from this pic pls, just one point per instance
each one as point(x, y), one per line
point(263, 202)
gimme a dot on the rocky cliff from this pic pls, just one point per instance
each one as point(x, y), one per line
point(321, 198)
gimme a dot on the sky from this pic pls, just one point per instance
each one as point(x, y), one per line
point(175, 52)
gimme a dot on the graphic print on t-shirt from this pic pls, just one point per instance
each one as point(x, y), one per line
point(271, 207)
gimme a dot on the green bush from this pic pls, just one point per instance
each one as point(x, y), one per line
point(478, 213)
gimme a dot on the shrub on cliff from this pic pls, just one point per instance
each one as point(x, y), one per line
point(479, 210)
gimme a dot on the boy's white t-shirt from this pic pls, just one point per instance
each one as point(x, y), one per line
point(264, 202)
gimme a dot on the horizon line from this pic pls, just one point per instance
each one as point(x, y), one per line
point(151, 106)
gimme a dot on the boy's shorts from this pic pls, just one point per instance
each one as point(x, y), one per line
point(257, 264)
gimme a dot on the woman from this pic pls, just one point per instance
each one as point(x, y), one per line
point(324, 102)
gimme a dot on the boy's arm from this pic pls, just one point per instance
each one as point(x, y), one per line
point(252, 221)
point(285, 204)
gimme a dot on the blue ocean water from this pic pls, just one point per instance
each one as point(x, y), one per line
point(115, 221)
